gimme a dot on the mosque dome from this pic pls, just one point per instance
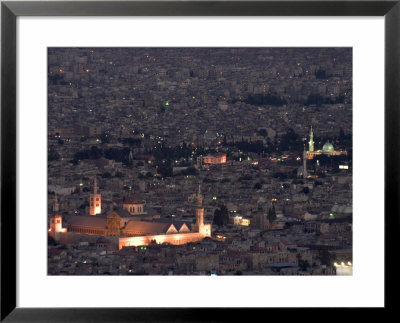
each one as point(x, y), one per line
point(328, 147)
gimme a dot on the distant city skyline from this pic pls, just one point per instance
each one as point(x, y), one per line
point(200, 161)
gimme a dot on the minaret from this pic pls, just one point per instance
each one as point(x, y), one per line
point(311, 142)
point(95, 188)
point(95, 200)
point(56, 205)
point(199, 208)
point(56, 228)
point(199, 225)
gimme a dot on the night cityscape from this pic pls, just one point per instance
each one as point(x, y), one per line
point(200, 161)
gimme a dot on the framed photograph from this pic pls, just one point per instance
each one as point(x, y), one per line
point(227, 147)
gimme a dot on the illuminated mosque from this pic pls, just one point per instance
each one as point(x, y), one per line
point(327, 150)
point(126, 227)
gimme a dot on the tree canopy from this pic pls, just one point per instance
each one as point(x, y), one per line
point(271, 214)
point(221, 216)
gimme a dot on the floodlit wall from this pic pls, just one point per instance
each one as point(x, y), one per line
point(174, 239)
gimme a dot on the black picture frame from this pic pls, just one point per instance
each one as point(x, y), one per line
point(10, 10)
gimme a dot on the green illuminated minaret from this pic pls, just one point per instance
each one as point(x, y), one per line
point(311, 142)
